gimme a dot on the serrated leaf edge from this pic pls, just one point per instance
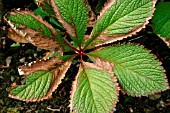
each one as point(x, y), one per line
point(106, 6)
point(137, 29)
point(160, 63)
point(37, 17)
point(150, 52)
point(91, 15)
point(46, 64)
point(56, 81)
point(69, 28)
point(28, 38)
point(167, 42)
point(16, 37)
point(74, 84)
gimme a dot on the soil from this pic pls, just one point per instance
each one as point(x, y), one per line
point(12, 57)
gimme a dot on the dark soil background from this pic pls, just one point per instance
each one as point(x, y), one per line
point(12, 57)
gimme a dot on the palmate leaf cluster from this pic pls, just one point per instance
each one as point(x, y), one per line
point(126, 67)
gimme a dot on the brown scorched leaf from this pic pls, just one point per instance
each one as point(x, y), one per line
point(91, 15)
point(14, 36)
point(30, 28)
point(44, 64)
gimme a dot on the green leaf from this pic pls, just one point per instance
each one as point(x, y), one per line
point(56, 22)
point(121, 19)
point(136, 69)
point(37, 86)
point(43, 14)
point(99, 6)
point(26, 27)
point(73, 16)
point(161, 19)
point(40, 84)
point(45, 5)
point(40, 12)
point(28, 19)
point(94, 90)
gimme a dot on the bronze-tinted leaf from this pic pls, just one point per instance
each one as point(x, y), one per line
point(92, 16)
point(16, 37)
point(40, 84)
point(95, 88)
point(31, 29)
point(59, 74)
point(106, 6)
point(69, 27)
point(72, 14)
point(44, 64)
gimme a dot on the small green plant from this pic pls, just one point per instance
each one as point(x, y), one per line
point(112, 67)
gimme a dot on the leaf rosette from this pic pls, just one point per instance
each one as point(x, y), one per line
point(126, 67)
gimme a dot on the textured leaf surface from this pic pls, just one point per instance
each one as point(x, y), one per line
point(135, 68)
point(161, 19)
point(73, 16)
point(32, 29)
point(44, 64)
point(28, 19)
point(94, 90)
point(37, 86)
point(40, 84)
point(124, 18)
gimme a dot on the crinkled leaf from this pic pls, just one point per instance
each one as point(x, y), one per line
point(135, 68)
point(40, 84)
point(94, 90)
point(120, 19)
point(44, 64)
point(23, 19)
point(16, 37)
point(161, 19)
point(32, 29)
point(73, 16)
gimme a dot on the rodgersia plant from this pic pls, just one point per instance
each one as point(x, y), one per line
point(112, 67)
